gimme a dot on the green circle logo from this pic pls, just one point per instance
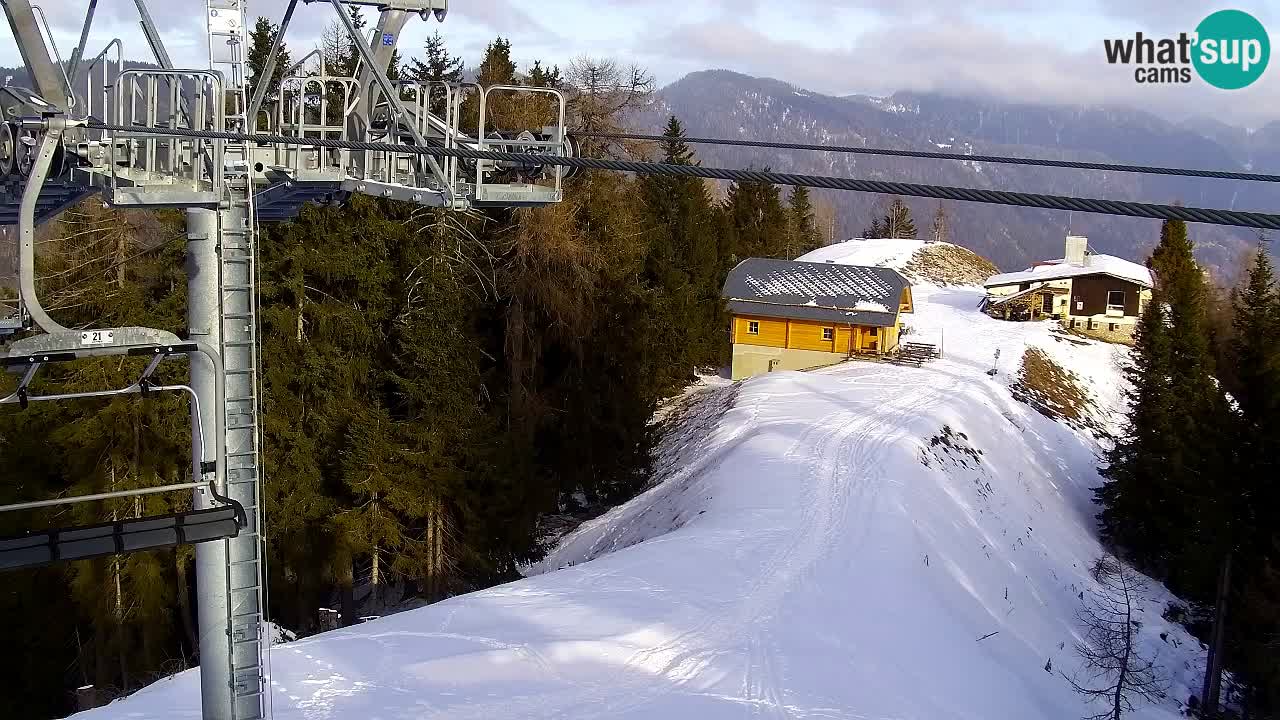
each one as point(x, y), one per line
point(1232, 49)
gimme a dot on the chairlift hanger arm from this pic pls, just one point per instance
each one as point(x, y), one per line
point(401, 116)
point(53, 45)
point(153, 36)
point(27, 226)
point(78, 53)
point(35, 54)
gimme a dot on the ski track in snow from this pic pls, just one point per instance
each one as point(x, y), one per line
point(807, 558)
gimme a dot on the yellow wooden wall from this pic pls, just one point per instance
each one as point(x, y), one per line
point(843, 337)
point(773, 331)
point(807, 335)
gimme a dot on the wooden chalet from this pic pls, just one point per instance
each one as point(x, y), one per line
point(789, 315)
point(1094, 294)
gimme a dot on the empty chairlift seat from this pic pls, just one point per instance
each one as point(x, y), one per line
point(45, 547)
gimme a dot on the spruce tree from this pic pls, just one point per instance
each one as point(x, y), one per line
point(350, 58)
point(681, 264)
point(897, 222)
point(1254, 360)
point(497, 67)
point(1135, 500)
point(1168, 503)
point(803, 236)
point(1254, 351)
point(875, 230)
point(438, 65)
point(260, 39)
point(538, 76)
point(755, 221)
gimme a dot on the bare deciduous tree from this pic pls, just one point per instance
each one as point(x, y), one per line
point(824, 217)
point(602, 97)
point(1114, 670)
point(941, 223)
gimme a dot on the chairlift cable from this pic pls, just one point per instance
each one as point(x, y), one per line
point(1156, 211)
point(1009, 160)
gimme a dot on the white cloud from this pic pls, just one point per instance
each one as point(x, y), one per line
point(960, 57)
point(1034, 51)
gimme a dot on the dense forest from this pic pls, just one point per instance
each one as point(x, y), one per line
point(434, 385)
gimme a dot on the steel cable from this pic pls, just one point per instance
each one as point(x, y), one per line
point(853, 149)
point(1126, 208)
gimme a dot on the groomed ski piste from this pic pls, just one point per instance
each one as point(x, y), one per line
point(864, 541)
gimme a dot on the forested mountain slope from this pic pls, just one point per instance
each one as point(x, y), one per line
point(721, 103)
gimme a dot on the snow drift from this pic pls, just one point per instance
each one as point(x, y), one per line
point(859, 541)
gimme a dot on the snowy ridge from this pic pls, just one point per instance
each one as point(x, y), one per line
point(861, 541)
point(880, 252)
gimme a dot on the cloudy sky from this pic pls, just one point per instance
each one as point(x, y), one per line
point(1028, 50)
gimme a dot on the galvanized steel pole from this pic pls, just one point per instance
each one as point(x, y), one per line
point(204, 324)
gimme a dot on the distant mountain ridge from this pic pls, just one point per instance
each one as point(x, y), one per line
point(722, 103)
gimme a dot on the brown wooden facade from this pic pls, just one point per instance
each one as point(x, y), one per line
point(1095, 294)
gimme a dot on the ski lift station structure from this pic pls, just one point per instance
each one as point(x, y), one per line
point(137, 138)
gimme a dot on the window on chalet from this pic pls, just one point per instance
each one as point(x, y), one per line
point(874, 331)
point(753, 327)
point(828, 333)
point(1115, 301)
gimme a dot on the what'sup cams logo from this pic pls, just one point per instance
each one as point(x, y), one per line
point(1229, 50)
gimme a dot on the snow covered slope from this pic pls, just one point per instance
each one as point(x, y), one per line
point(828, 544)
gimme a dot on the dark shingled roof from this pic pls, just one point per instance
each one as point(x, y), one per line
point(827, 292)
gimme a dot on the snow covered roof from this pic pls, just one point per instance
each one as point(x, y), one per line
point(1060, 269)
point(830, 292)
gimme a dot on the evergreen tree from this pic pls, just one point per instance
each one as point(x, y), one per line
point(875, 230)
point(755, 221)
point(503, 110)
point(1167, 503)
point(1257, 656)
point(438, 66)
point(1254, 360)
point(897, 222)
point(260, 40)
point(1135, 500)
point(350, 58)
point(803, 236)
point(107, 268)
point(393, 65)
point(497, 67)
point(681, 265)
point(1254, 351)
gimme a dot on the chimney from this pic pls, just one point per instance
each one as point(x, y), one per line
point(1076, 247)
